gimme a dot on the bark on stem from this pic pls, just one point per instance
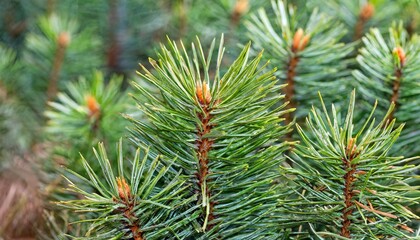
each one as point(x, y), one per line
point(62, 42)
point(395, 92)
point(348, 187)
point(204, 145)
point(400, 54)
point(300, 40)
point(366, 13)
point(289, 90)
point(127, 200)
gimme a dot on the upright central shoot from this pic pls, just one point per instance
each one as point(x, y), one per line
point(204, 144)
point(223, 131)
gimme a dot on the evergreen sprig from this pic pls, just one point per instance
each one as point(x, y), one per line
point(344, 176)
point(88, 113)
point(223, 134)
point(390, 72)
point(307, 53)
point(52, 58)
point(136, 205)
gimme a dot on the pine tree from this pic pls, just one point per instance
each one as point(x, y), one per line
point(210, 128)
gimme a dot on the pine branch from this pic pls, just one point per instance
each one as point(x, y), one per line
point(389, 73)
point(86, 114)
point(308, 54)
point(221, 132)
point(141, 205)
point(49, 58)
point(351, 187)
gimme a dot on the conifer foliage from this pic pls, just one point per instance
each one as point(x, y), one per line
point(137, 205)
point(211, 126)
point(87, 114)
point(51, 58)
point(306, 51)
point(347, 181)
point(222, 133)
point(389, 72)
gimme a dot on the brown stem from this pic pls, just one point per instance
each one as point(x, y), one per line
point(395, 92)
point(135, 229)
point(348, 195)
point(358, 29)
point(133, 225)
point(204, 145)
point(348, 188)
point(289, 90)
point(365, 14)
point(299, 42)
point(62, 42)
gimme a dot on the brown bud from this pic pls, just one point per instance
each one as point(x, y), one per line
point(399, 52)
point(241, 7)
point(351, 147)
point(305, 41)
point(203, 93)
point(123, 189)
point(300, 40)
point(297, 39)
point(63, 39)
point(367, 11)
point(93, 106)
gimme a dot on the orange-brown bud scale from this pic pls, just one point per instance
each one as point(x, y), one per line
point(93, 106)
point(297, 39)
point(203, 93)
point(123, 189)
point(351, 147)
point(305, 41)
point(367, 11)
point(399, 52)
point(241, 7)
point(63, 39)
point(300, 40)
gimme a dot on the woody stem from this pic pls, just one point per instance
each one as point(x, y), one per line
point(348, 194)
point(204, 145)
point(289, 90)
point(395, 91)
point(55, 71)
